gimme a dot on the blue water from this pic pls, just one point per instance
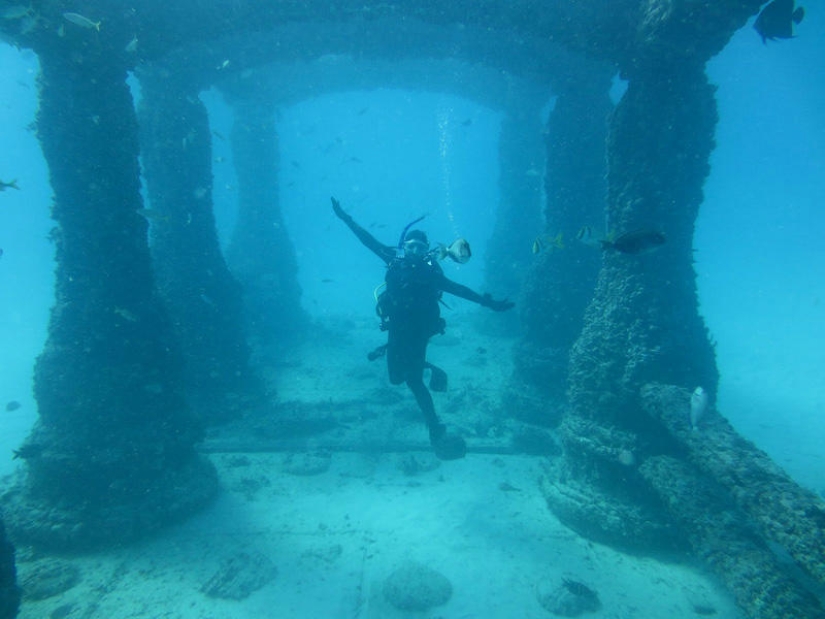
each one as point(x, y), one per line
point(759, 237)
point(759, 244)
point(26, 267)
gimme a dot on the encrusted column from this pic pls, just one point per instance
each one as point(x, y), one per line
point(716, 533)
point(9, 591)
point(634, 472)
point(201, 296)
point(112, 454)
point(742, 514)
point(260, 253)
point(643, 323)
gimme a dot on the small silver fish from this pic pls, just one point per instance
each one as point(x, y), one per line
point(698, 406)
point(80, 20)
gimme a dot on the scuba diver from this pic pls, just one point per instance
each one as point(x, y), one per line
point(410, 314)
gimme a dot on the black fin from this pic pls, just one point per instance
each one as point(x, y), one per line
point(378, 352)
point(438, 378)
point(449, 447)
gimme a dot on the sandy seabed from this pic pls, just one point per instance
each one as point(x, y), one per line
point(334, 524)
point(334, 537)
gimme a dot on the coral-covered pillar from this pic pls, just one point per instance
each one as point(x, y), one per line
point(634, 472)
point(643, 324)
point(737, 509)
point(9, 591)
point(112, 454)
point(201, 296)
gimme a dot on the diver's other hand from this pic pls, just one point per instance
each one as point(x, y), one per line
point(497, 306)
point(336, 207)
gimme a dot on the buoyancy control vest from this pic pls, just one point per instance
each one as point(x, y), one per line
point(412, 294)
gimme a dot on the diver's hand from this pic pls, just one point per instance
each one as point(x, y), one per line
point(496, 306)
point(336, 207)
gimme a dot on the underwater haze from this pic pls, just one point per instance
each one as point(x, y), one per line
point(391, 156)
point(27, 262)
point(759, 246)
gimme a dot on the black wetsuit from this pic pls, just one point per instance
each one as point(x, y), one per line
point(410, 310)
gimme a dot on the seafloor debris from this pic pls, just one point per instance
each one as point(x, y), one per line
point(305, 464)
point(416, 587)
point(411, 465)
point(569, 599)
point(48, 578)
point(240, 575)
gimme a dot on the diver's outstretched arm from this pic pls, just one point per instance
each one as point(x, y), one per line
point(385, 252)
point(485, 300)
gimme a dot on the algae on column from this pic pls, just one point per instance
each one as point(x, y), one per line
point(112, 452)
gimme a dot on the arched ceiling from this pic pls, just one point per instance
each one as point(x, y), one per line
point(526, 38)
point(551, 43)
point(295, 61)
point(286, 84)
point(594, 27)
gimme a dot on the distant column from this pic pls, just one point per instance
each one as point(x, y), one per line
point(519, 214)
point(202, 297)
point(260, 253)
point(112, 454)
point(563, 271)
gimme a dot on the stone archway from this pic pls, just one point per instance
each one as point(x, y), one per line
point(642, 338)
